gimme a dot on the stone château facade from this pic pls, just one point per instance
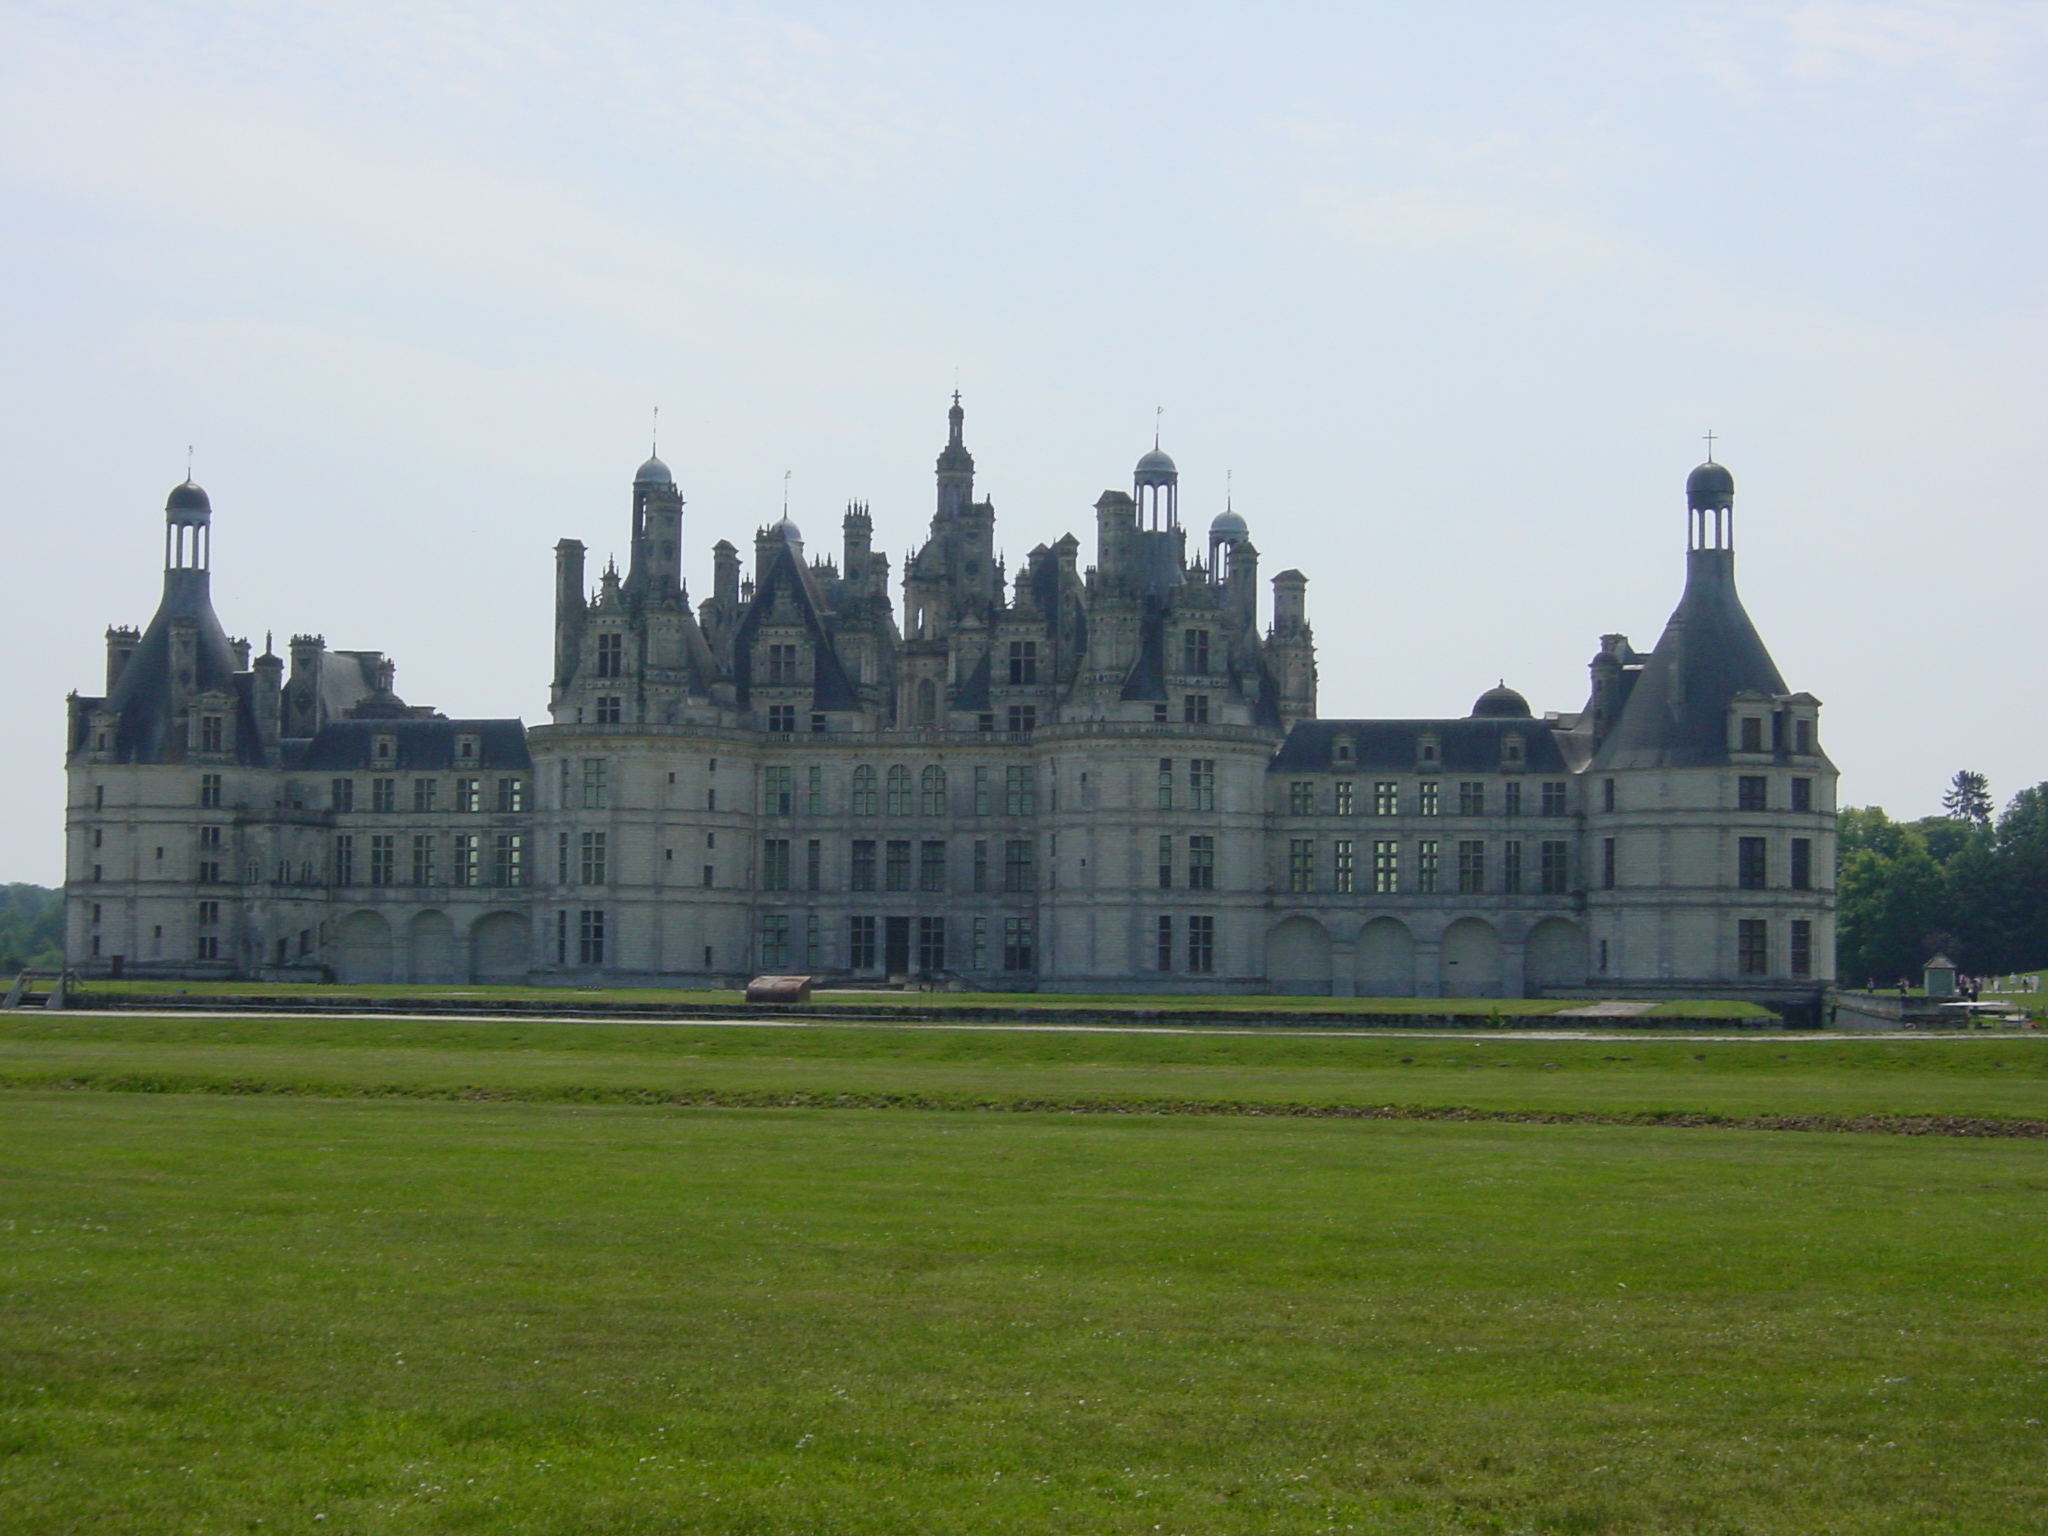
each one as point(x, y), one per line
point(1100, 778)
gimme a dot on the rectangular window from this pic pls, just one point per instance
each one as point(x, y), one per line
point(341, 794)
point(511, 796)
point(1162, 944)
point(1166, 861)
point(775, 864)
point(469, 796)
point(423, 794)
point(862, 876)
point(1019, 873)
point(1802, 864)
point(981, 792)
point(1194, 709)
point(1511, 798)
point(1752, 733)
point(814, 944)
point(931, 790)
point(896, 865)
point(931, 865)
point(1194, 654)
point(423, 858)
point(1343, 797)
point(210, 837)
point(1802, 946)
point(1202, 862)
point(774, 941)
point(596, 783)
point(561, 938)
point(383, 859)
point(565, 873)
point(1511, 868)
point(1301, 864)
point(1750, 859)
point(1607, 862)
point(611, 658)
point(1301, 797)
point(209, 871)
point(814, 865)
point(1426, 798)
point(1471, 867)
point(209, 733)
point(1020, 791)
point(1386, 798)
point(1553, 798)
point(1202, 945)
point(209, 913)
point(899, 791)
point(592, 863)
point(1554, 867)
point(1164, 800)
point(508, 859)
point(1023, 665)
point(1023, 717)
point(782, 719)
point(814, 791)
point(1472, 797)
point(590, 938)
point(1343, 869)
point(865, 799)
point(1020, 951)
point(1607, 794)
point(981, 866)
point(979, 955)
point(777, 798)
point(1201, 783)
point(1426, 861)
point(209, 791)
point(860, 942)
point(1386, 867)
point(209, 946)
point(1751, 792)
point(1802, 794)
point(610, 709)
point(782, 666)
point(345, 859)
point(383, 794)
point(468, 859)
point(931, 943)
point(1802, 737)
point(1753, 947)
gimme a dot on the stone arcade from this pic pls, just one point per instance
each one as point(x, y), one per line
point(1100, 778)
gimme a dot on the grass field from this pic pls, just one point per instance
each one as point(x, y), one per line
point(884, 1001)
point(248, 1312)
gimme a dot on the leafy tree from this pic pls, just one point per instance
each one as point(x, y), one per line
point(31, 929)
point(1969, 798)
point(1891, 898)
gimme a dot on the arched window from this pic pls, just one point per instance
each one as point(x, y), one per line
point(932, 790)
point(899, 790)
point(864, 790)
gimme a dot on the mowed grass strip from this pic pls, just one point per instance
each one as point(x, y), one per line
point(239, 1315)
point(1836, 1080)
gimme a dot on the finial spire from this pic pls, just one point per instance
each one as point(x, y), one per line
point(1710, 445)
point(1228, 492)
point(1157, 412)
point(188, 463)
point(785, 493)
point(654, 437)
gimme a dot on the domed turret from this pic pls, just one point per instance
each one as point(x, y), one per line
point(1710, 488)
point(786, 530)
point(653, 472)
point(1156, 468)
point(1500, 703)
point(187, 504)
point(1228, 525)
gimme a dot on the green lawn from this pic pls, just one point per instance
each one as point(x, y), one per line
point(1752, 1075)
point(570, 997)
point(246, 1313)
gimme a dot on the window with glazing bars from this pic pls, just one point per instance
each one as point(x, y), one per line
point(1553, 867)
point(1202, 944)
point(777, 797)
point(814, 791)
point(863, 803)
point(1471, 866)
point(1023, 717)
point(931, 783)
point(1201, 783)
point(1342, 797)
point(468, 859)
point(423, 793)
point(1750, 855)
point(1194, 651)
point(931, 943)
point(1801, 958)
point(814, 865)
point(596, 783)
point(981, 792)
point(1472, 797)
point(590, 938)
point(1202, 862)
point(1165, 795)
point(591, 847)
point(1018, 871)
point(1020, 791)
point(1020, 950)
point(345, 859)
point(1511, 798)
point(1553, 798)
point(1301, 797)
point(1162, 944)
point(1511, 868)
point(774, 941)
point(1426, 798)
point(341, 795)
point(896, 865)
point(899, 790)
point(980, 865)
point(383, 858)
point(1802, 864)
point(511, 795)
point(775, 864)
point(1023, 663)
point(1753, 947)
point(1386, 798)
point(860, 943)
point(1166, 861)
point(1301, 864)
point(1426, 857)
point(1386, 867)
point(931, 865)
point(1342, 866)
point(508, 865)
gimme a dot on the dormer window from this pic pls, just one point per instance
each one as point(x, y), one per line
point(384, 748)
point(1802, 736)
point(1752, 729)
point(1347, 752)
point(1426, 749)
point(465, 749)
point(210, 733)
point(1511, 748)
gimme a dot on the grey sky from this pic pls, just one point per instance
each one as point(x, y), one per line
point(1452, 289)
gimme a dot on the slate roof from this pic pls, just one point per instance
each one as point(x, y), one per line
point(1389, 746)
point(1677, 711)
point(421, 746)
point(142, 693)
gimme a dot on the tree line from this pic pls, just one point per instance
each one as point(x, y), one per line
point(31, 929)
point(1968, 884)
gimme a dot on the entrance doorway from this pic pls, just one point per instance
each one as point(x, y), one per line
point(896, 946)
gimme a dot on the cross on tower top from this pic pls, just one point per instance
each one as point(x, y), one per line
point(1710, 446)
